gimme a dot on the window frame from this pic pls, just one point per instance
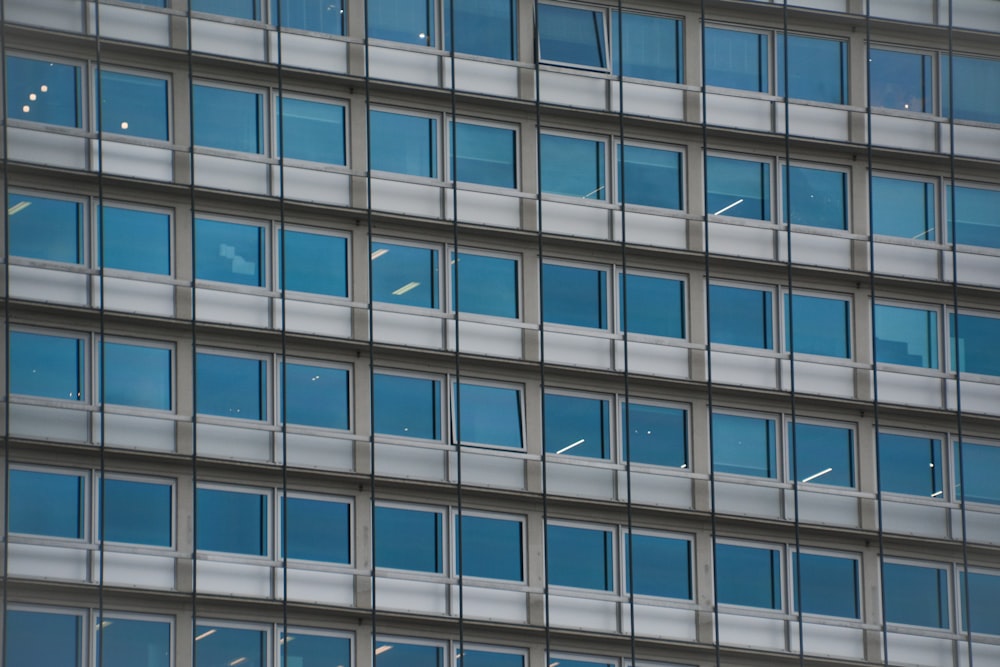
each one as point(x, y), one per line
point(795, 575)
point(265, 253)
point(268, 389)
point(83, 103)
point(271, 16)
point(784, 293)
point(451, 282)
point(760, 288)
point(945, 463)
point(932, 96)
point(455, 516)
point(951, 364)
point(610, 401)
point(615, 566)
point(279, 549)
point(436, 143)
point(605, 46)
point(84, 230)
point(956, 482)
point(773, 193)
point(96, 223)
point(267, 629)
point(785, 449)
point(86, 628)
point(618, 296)
point(167, 77)
point(268, 516)
point(101, 374)
point(605, 188)
point(949, 203)
point(450, 159)
point(442, 645)
point(951, 603)
point(624, 442)
point(85, 375)
point(769, 59)
point(779, 463)
point(625, 557)
point(617, 146)
point(264, 134)
point(936, 208)
point(445, 539)
point(280, 252)
point(784, 583)
point(86, 512)
point(169, 482)
point(452, 409)
point(276, 112)
point(441, 295)
point(939, 334)
point(278, 383)
point(444, 413)
point(610, 285)
point(782, 212)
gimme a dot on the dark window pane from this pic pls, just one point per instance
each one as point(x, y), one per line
point(231, 387)
point(652, 306)
point(325, 16)
point(241, 9)
point(311, 130)
point(817, 69)
point(408, 539)
point(232, 521)
point(398, 654)
point(230, 252)
point(486, 285)
point(915, 595)
point(228, 119)
point(135, 240)
point(572, 166)
point(655, 434)
point(43, 92)
point(128, 642)
point(407, 406)
point(910, 464)
point(907, 336)
point(43, 503)
point(828, 585)
point(36, 638)
point(47, 366)
point(137, 512)
point(575, 296)
point(402, 143)
point(134, 105)
point(313, 263)
point(221, 647)
point(491, 548)
point(652, 177)
point(658, 566)
point(903, 208)
point(817, 325)
point(972, 218)
point(485, 155)
point(482, 28)
point(43, 228)
point(735, 59)
point(748, 576)
point(974, 95)
point(743, 445)
point(739, 188)
point(317, 530)
point(651, 47)
point(815, 197)
point(741, 316)
point(407, 21)
point(580, 557)
point(901, 80)
point(476, 658)
point(821, 455)
point(304, 650)
point(489, 415)
point(316, 396)
point(974, 346)
point(137, 376)
point(577, 426)
point(405, 275)
point(983, 612)
point(572, 36)
point(976, 469)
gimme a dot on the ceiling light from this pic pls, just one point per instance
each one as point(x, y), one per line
point(569, 447)
point(25, 108)
point(726, 208)
point(405, 288)
point(378, 253)
point(124, 124)
point(382, 649)
point(18, 207)
point(32, 97)
point(207, 633)
point(43, 88)
point(819, 474)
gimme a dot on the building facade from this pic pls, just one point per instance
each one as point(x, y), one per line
point(502, 333)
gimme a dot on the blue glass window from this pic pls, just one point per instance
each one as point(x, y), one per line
point(915, 595)
point(478, 658)
point(976, 469)
point(128, 641)
point(906, 336)
point(741, 316)
point(815, 197)
point(318, 530)
point(217, 646)
point(485, 155)
point(656, 565)
point(402, 143)
point(485, 285)
point(817, 69)
point(134, 240)
point(901, 80)
point(300, 649)
point(316, 396)
point(405, 275)
point(47, 503)
point(44, 92)
point(482, 28)
point(310, 130)
point(231, 386)
point(910, 464)
point(138, 376)
point(650, 305)
point(748, 576)
point(744, 445)
point(47, 366)
point(232, 521)
point(326, 16)
point(827, 585)
point(489, 415)
point(974, 346)
point(818, 325)
point(575, 296)
point(230, 252)
point(41, 638)
point(407, 406)
point(491, 548)
point(821, 454)
point(652, 177)
point(973, 100)
point(137, 512)
point(44, 228)
point(400, 654)
point(313, 263)
point(580, 557)
point(406, 21)
point(408, 539)
point(572, 166)
point(655, 434)
point(240, 9)
point(903, 208)
point(972, 218)
point(135, 105)
point(572, 36)
point(228, 119)
point(577, 426)
point(983, 591)
point(735, 59)
point(739, 188)
point(651, 47)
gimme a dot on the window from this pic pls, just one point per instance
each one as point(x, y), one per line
point(741, 316)
point(45, 228)
point(910, 464)
point(216, 645)
point(572, 166)
point(489, 658)
point(43, 638)
point(577, 425)
point(973, 343)
point(407, 406)
point(906, 336)
point(409, 539)
point(901, 80)
point(485, 154)
point(324, 16)
point(817, 68)
point(738, 188)
point(580, 557)
point(52, 504)
point(748, 576)
point(43, 91)
point(491, 547)
point(227, 118)
point(489, 415)
point(403, 143)
point(48, 366)
point(311, 130)
point(973, 100)
point(316, 396)
point(574, 295)
point(240, 9)
point(915, 595)
point(817, 325)
point(484, 284)
point(815, 197)
point(651, 305)
point(234, 522)
point(976, 465)
point(393, 653)
point(134, 239)
point(139, 376)
point(972, 218)
point(482, 28)
point(230, 252)
point(230, 386)
point(313, 263)
point(744, 445)
point(983, 614)
point(658, 565)
point(650, 176)
point(402, 21)
point(301, 649)
point(827, 585)
point(651, 48)
point(572, 36)
point(736, 59)
point(821, 454)
point(903, 208)
point(405, 275)
point(137, 512)
point(654, 434)
point(316, 529)
point(134, 105)
point(132, 640)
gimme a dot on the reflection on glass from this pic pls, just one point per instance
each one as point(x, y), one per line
point(43, 503)
point(299, 649)
point(650, 177)
point(748, 576)
point(47, 366)
point(240, 9)
point(404, 275)
point(43, 92)
point(741, 316)
point(408, 539)
point(903, 208)
point(915, 595)
point(137, 512)
point(910, 464)
point(651, 47)
point(821, 455)
point(738, 188)
point(315, 396)
point(44, 228)
point(485, 285)
point(974, 346)
point(231, 386)
point(972, 218)
point(489, 415)
point(976, 467)
point(652, 306)
point(406, 21)
point(134, 105)
point(901, 80)
point(479, 658)
point(744, 445)
point(407, 406)
point(491, 548)
point(126, 642)
point(485, 155)
point(655, 434)
point(571, 35)
point(659, 566)
point(572, 166)
point(817, 69)
point(983, 591)
point(580, 557)
point(403, 144)
point(232, 522)
point(217, 646)
point(736, 59)
point(37, 638)
point(577, 426)
point(318, 530)
point(137, 375)
point(230, 252)
point(482, 28)
point(817, 325)
point(575, 296)
point(827, 585)
point(815, 197)
point(310, 130)
point(134, 240)
point(313, 263)
point(973, 100)
point(326, 16)
point(906, 336)
point(228, 119)
point(400, 654)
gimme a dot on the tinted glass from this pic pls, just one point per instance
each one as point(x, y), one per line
point(748, 576)
point(655, 434)
point(137, 512)
point(228, 119)
point(972, 99)
point(230, 252)
point(408, 539)
point(744, 445)
point(491, 548)
point(915, 595)
point(401, 143)
point(221, 647)
point(974, 344)
point(580, 557)
point(489, 415)
point(658, 566)
point(485, 285)
point(577, 426)
point(43, 503)
point(233, 522)
point(318, 530)
point(134, 105)
point(43, 92)
point(902, 208)
point(907, 336)
point(821, 455)
point(482, 28)
point(573, 36)
point(815, 197)
point(572, 166)
point(138, 376)
point(651, 47)
point(126, 642)
point(817, 325)
point(316, 396)
point(910, 464)
point(741, 316)
point(43, 228)
point(405, 275)
point(37, 638)
point(901, 80)
point(135, 240)
point(231, 387)
point(241, 9)
point(474, 658)
point(972, 219)
point(652, 177)
point(574, 295)
point(976, 473)
point(827, 585)
point(407, 406)
point(398, 654)
point(316, 15)
point(817, 69)
point(739, 188)
point(303, 650)
point(735, 59)
point(652, 306)
point(313, 263)
point(983, 612)
point(47, 366)
point(485, 155)
point(407, 21)
point(311, 130)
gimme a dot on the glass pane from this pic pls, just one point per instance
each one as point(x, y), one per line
point(135, 105)
point(138, 376)
point(973, 100)
point(228, 119)
point(233, 522)
point(407, 21)
point(652, 306)
point(304, 650)
point(135, 240)
point(402, 143)
point(815, 197)
point(127, 642)
point(915, 595)
point(241, 9)
point(407, 406)
point(43, 92)
point(974, 220)
point(137, 512)
point(655, 434)
point(983, 591)
point(491, 548)
point(313, 263)
point(325, 16)
point(482, 28)
point(735, 59)
point(398, 654)
point(574, 295)
point(901, 80)
point(744, 445)
point(577, 426)
point(821, 455)
point(907, 336)
point(43, 228)
point(489, 415)
point(580, 557)
point(658, 566)
point(231, 386)
point(405, 275)
point(903, 208)
point(976, 472)
point(474, 658)
point(486, 285)
point(571, 166)
point(740, 188)
point(652, 177)
point(485, 155)
point(570, 35)
point(47, 366)
point(748, 576)
point(37, 638)
point(910, 464)
point(408, 539)
point(227, 647)
point(651, 47)
point(741, 316)
point(317, 530)
point(311, 130)
point(817, 325)
point(316, 396)
point(974, 344)
point(817, 69)
point(828, 585)
point(43, 503)
point(230, 252)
